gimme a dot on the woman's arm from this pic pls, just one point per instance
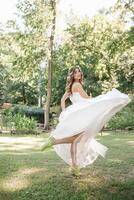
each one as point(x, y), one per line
point(77, 87)
point(63, 99)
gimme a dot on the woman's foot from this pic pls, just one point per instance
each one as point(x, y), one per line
point(75, 170)
point(48, 144)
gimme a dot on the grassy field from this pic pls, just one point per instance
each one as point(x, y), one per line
point(28, 174)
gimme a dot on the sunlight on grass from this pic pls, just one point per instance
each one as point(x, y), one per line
point(104, 133)
point(28, 173)
point(20, 143)
point(20, 179)
point(91, 180)
point(115, 160)
point(25, 140)
point(130, 143)
point(14, 183)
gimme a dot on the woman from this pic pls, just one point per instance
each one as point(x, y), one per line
point(74, 136)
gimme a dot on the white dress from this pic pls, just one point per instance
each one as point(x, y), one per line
point(88, 115)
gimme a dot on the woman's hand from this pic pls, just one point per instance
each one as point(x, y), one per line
point(90, 95)
point(63, 99)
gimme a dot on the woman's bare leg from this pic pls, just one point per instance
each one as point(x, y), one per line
point(64, 140)
point(74, 149)
point(73, 153)
point(52, 141)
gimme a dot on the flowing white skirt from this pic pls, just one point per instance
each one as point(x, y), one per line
point(88, 117)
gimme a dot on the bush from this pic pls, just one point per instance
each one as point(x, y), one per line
point(122, 120)
point(31, 112)
point(18, 121)
point(34, 113)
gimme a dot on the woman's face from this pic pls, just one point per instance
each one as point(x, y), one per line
point(77, 74)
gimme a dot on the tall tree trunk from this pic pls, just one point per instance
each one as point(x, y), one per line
point(50, 65)
point(39, 87)
point(24, 94)
point(1, 85)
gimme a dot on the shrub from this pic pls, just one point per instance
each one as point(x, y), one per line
point(19, 121)
point(31, 112)
point(123, 119)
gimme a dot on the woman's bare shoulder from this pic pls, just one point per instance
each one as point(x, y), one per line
point(76, 87)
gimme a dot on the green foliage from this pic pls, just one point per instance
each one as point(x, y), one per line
point(23, 51)
point(123, 119)
point(101, 46)
point(19, 121)
point(28, 111)
point(20, 92)
point(125, 70)
point(98, 44)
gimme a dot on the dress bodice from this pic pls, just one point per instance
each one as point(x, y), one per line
point(76, 97)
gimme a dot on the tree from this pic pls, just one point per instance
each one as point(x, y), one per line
point(50, 63)
point(101, 43)
point(1, 85)
point(27, 47)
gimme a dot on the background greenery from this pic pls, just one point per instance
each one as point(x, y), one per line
point(101, 46)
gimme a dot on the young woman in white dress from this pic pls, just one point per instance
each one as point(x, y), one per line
point(74, 136)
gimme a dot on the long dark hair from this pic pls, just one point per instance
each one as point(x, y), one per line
point(70, 79)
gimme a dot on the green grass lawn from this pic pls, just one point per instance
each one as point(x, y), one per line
point(28, 174)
